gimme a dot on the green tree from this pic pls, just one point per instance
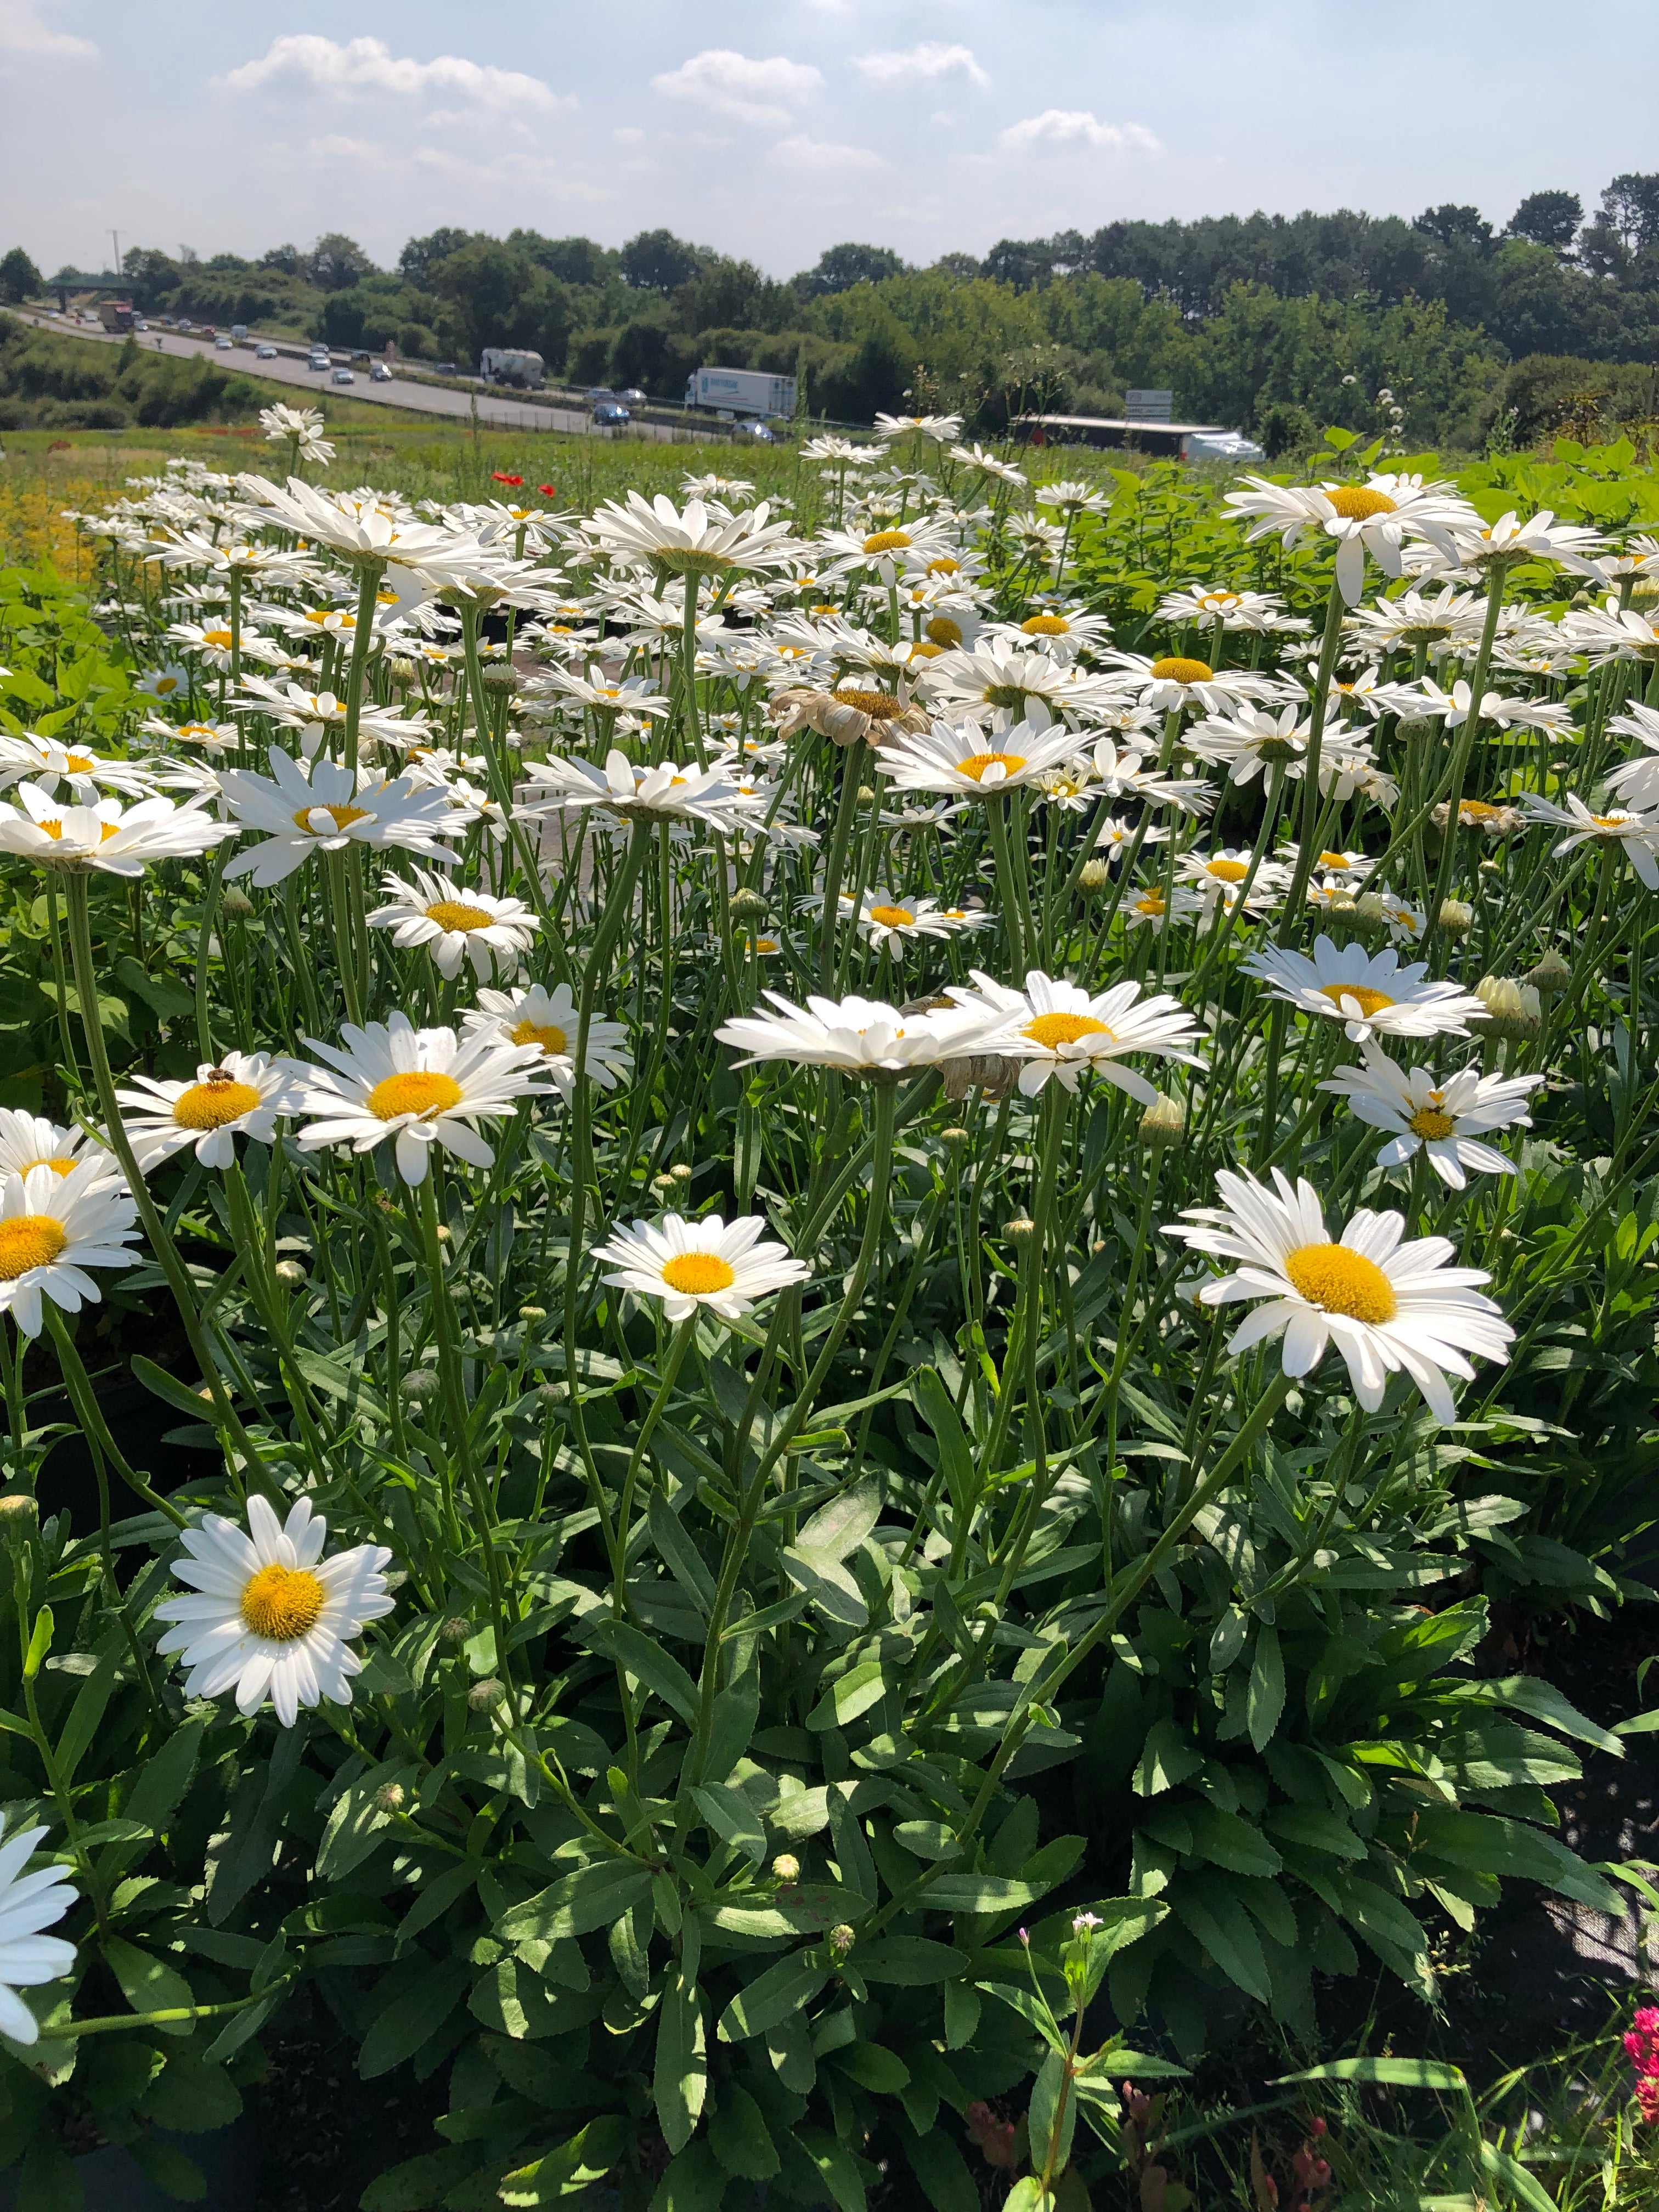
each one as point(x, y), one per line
point(840, 267)
point(657, 261)
point(336, 261)
point(1549, 218)
point(422, 255)
point(19, 277)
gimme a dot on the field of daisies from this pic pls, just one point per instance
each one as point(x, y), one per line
point(883, 1254)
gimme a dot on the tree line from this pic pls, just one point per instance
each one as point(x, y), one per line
point(1267, 323)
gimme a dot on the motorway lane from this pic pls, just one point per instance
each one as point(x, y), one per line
point(412, 393)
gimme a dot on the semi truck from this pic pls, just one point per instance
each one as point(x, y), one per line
point(741, 392)
point(525, 372)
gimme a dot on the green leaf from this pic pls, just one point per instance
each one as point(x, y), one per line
point(146, 1984)
point(1209, 1909)
point(397, 2031)
point(980, 1893)
point(1492, 1843)
point(681, 2076)
point(420, 2183)
point(1265, 1700)
point(732, 1817)
point(838, 2166)
point(683, 1560)
point(842, 1526)
point(165, 1776)
point(1507, 2169)
point(87, 1710)
point(821, 1578)
point(739, 2137)
point(1053, 2116)
point(692, 2182)
point(860, 1687)
point(785, 1988)
point(1226, 1840)
point(874, 2067)
point(935, 1403)
point(1168, 1757)
point(172, 2170)
point(940, 2168)
point(355, 1821)
point(169, 999)
point(911, 1962)
point(645, 1660)
point(1399, 2073)
point(593, 1897)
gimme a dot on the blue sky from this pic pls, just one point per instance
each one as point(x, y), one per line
point(774, 131)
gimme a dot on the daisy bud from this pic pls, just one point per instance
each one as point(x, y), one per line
point(401, 669)
point(1018, 1231)
point(1163, 1123)
point(866, 797)
point(953, 1136)
point(455, 1630)
point(1093, 877)
point(289, 1274)
point(1550, 976)
point(18, 1510)
point(681, 1172)
point(419, 1386)
point(1371, 914)
point(842, 1939)
point(389, 1797)
point(748, 902)
point(532, 1313)
point(1418, 731)
point(234, 904)
point(785, 1867)
point(499, 676)
point(1513, 1010)
point(446, 1234)
point(663, 1184)
point(1456, 917)
point(483, 1695)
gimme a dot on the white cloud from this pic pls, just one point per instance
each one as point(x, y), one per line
point(921, 64)
point(823, 155)
point(728, 83)
point(21, 32)
point(368, 65)
point(1076, 126)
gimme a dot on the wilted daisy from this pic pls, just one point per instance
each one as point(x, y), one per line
point(418, 1087)
point(1638, 832)
point(1059, 1030)
point(1390, 1306)
point(688, 1264)
point(267, 1613)
point(1444, 1117)
point(863, 1036)
point(889, 923)
point(552, 1021)
point(30, 1141)
point(943, 759)
point(106, 838)
point(320, 806)
point(84, 770)
point(52, 1228)
point(240, 1095)
point(29, 1903)
point(454, 924)
point(1369, 992)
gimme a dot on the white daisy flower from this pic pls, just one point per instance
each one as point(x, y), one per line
point(30, 1141)
point(242, 1095)
point(666, 792)
point(84, 770)
point(455, 925)
point(1251, 740)
point(863, 1036)
point(170, 683)
point(1376, 517)
point(366, 528)
point(1061, 632)
point(106, 839)
point(1331, 862)
point(889, 922)
point(1060, 1030)
point(967, 760)
point(320, 806)
point(1122, 768)
point(1636, 782)
point(1071, 498)
point(688, 1264)
point(1413, 619)
point(1258, 611)
point(998, 684)
point(1116, 836)
point(699, 541)
point(1150, 909)
point(52, 1228)
point(1369, 992)
point(1638, 832)
point(551, 1020)
point(1426, 702)
point(269, 1613)
point(1406, 922)
point(1388, 1305)
point(1443, 1118)
point(1178, 680)
point(419, 1087)
point(1219, 878)
point(29, 1903)
point(1476, 544)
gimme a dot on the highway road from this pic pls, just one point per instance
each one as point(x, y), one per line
point(415, 393)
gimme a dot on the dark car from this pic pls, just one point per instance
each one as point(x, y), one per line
point(362, 357)
point(611, 415)
point(633, 397)
point(443, 368)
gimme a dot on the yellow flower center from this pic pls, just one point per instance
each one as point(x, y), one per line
point(1219, 599)
point(1175, 668)
point(1151, 902)
point(879, 706)
point(762, 945)
point(1055, 1030)
point(210, 1105)
point(1369, 1002)
point(1333, 859)
point(1431, 1125)
point(887, 541)
point(29, 1240)
point(343, 816)
point(78, 764)
point(977, 764)
point(548, 1035)
point(1359, 504)
point(1478, 809)
point(282, 1603)
point(220, 637)
point(698, 1274)
point(942, 631)
point(455, 914)
point(1046, 626)
point(1227, 872)
point(422, 1091)
point(892, 917)
point(57, 1167)
point(1339, 1281)
point(1609, 821)
point(944, 565)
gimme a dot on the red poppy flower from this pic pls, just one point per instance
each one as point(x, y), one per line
point(548, 491)
point(500, 478)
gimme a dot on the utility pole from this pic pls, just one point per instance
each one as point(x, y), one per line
point(115, 240)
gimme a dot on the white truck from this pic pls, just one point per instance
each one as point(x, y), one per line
point(741, 392)
point(525, 372)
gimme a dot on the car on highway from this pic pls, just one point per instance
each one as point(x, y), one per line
point(318, 358)
point(139, 324)
point(361, 358)
point(610, 415)
point(633, 397)
point(379, 373)
point(208, 330)
point(343, 376)
point(443, 368)
point(264, 353)
point(223, 345)
point(597, 393)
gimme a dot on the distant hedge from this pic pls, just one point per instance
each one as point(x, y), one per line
point(52, 382)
